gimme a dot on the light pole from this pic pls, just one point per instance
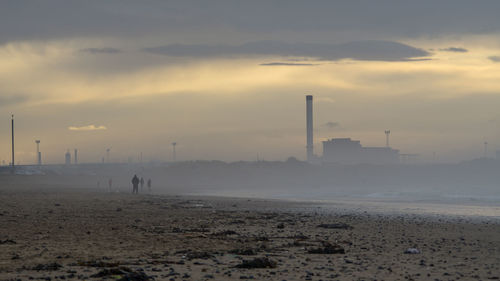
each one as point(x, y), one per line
point(173, 150)
point(387, 132)
point(107, 154)
point(485, 149)
point(38, 154)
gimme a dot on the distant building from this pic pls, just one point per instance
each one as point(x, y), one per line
point(347, 151)
point(67, 158)
point(408, 158)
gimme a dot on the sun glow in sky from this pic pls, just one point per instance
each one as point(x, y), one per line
point(239, 102)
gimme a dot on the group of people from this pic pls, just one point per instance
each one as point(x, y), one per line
point(135, 184)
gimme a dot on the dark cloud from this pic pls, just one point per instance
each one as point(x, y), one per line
point(33, 20)
point(287, 64)
point(332, 125)
point(358, 50)
point(494, 58)
point(101, 51)
point(454, 49)
point(421, 59)
point(12, 100)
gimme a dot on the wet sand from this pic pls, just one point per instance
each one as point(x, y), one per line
point(69, 234)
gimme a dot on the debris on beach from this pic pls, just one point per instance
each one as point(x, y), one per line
point(335, 226)
point(243, 252)
point(258, 263)
point(122, 273)
point(225, 233)
point(327, 248)
point(299, 243)
point(112, 272)
point(48, 266)
point(236, 222)
point(299, 237)
point(7, 241)
point(199, 255)
point(96, 263)
point(197, 230)
point(412, 251)
point(135, 276)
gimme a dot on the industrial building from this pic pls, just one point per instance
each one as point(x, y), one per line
point(347, 151)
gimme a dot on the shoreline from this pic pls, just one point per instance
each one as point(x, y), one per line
point(473, 211)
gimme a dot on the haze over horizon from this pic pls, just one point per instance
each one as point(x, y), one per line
point(226, 80)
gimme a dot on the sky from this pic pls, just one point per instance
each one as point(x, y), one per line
point(227, 80)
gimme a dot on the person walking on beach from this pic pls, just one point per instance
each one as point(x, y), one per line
point(142, 183)
point(149, 185)
point(135, 184)
point(110, 184)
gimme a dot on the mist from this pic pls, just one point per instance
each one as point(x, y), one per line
point(466, 182)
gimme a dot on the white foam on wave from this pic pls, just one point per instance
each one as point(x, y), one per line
point(400, 202)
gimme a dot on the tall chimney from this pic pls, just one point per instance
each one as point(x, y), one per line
point(309, 125)
point(12, 128)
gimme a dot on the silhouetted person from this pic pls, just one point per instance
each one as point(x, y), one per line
point(135, 184)
point(149, 185)
point(110, 184)
point(142, 183)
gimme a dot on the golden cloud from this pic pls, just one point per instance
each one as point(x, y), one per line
point(87, 128)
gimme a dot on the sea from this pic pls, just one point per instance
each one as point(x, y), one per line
point(435, 204)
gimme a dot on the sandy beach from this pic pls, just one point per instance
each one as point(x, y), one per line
point(69, 234)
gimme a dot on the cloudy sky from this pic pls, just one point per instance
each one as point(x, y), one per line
point(226, 79)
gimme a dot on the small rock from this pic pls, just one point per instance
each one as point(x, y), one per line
point(412, 251)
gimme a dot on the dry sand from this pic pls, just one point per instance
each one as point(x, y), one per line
point(57, 234)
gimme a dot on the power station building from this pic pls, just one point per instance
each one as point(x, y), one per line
point(347, 151)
